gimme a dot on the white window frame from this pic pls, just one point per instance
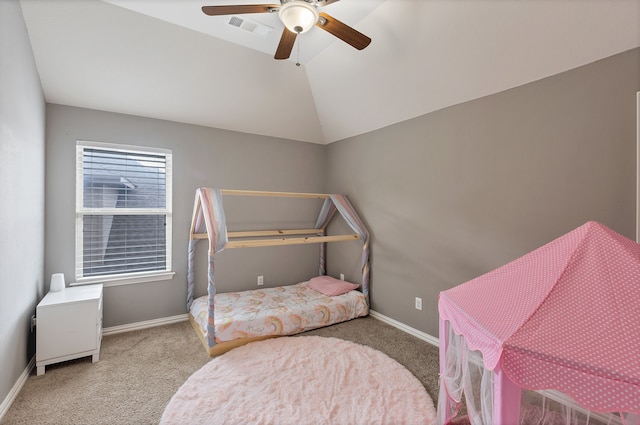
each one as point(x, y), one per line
point(81, 211)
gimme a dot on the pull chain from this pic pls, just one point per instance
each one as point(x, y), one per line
point(298, 43)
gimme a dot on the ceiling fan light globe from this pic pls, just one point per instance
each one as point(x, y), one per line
point(298, 16)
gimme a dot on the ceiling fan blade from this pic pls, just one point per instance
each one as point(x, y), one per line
point(286, 44)
point(326, 2)
point(239, 9)
point(343, 31)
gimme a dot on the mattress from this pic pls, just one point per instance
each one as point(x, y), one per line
point(284, 310)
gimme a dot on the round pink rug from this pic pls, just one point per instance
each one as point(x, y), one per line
point(301, 380)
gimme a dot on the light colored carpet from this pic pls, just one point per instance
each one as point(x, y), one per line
point(140, 371)
point(296, 381)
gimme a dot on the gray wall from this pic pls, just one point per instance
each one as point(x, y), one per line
point(456, 193)
point(201, 157)
point(22, 151)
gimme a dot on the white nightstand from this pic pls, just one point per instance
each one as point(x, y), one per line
point(69, 325)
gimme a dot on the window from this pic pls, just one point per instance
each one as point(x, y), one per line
point(123, 212)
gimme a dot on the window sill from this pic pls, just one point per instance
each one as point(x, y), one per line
point(128, 280)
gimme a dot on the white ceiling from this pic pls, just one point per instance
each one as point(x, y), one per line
point(165, 59)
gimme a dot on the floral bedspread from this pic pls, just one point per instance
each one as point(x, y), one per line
point(284, 310)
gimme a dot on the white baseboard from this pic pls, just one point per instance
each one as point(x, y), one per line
point(112, 330)
point(8, 401)
point(408, 329)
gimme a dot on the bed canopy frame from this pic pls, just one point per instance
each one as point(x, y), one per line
point(209, 222)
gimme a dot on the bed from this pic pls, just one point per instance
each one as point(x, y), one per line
point(265, 313)
point(227, 320)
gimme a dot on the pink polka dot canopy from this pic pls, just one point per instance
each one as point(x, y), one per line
point(564, 316)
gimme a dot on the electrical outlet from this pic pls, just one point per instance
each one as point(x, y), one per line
point(418, 303)
point(260, 280)
point(341, 276)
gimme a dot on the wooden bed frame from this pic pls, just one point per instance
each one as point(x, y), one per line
point(270, 234)
point(264, 238)
point(223, 347)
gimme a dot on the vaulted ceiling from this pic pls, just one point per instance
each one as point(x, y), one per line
point(166, 59)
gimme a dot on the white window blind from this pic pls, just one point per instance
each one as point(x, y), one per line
point(123, 211)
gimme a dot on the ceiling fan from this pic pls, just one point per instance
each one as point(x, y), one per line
point(298, 16)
